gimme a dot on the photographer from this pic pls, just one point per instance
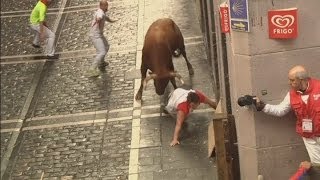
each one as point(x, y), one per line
point(304, 100)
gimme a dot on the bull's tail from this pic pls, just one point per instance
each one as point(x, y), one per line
point(177, 31)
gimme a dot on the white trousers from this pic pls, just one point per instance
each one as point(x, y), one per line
point(313, 148)
point(102, 47)
point(48, 34)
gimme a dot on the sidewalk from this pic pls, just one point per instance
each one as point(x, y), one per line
point(151, 157)
point(56, 123)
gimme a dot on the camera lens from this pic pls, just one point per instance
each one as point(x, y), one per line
point(245, 100)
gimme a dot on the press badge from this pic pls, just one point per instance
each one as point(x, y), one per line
point(307, 125)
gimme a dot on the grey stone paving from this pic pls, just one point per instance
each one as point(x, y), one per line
point(74, 35)
point(66, 90)
point(7, 6)
point(116, 150)
point(187, 161)
point(5, 137)
point(14, 90)
point(65, 151)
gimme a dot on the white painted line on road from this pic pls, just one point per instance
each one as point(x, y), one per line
point(194, 43)
point(151, 107)
point(193, 37)
point(67, 115)
point(135, 122)
point(50, 9)
point(135, 135)
point(87, 54)
point(119, 119)
point(121, 110)
point(135, 138)
point(197, 111)
point(64, 124)
point(18, 62)
point(11, 121)
point(9, 130)
point(137, 113)
point(136, 104)
point(138, 59)
point(133, 176)
point(152, 115)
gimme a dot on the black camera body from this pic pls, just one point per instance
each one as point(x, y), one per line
point(246, 100)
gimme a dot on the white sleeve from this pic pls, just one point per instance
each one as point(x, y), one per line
point(279, 110)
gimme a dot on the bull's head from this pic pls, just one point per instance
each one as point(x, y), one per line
point(160, 83)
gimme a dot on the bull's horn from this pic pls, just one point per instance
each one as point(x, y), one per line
point(148, 78)
point(177, 75)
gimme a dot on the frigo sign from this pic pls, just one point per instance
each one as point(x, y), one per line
point(283, 23)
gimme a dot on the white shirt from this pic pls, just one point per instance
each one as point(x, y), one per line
point(178, 96)
point(97, 30)
point(284, 107)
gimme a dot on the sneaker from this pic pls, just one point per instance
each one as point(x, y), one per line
point(56, 56)
point(36, 46)
point(102, 66)
point(93, 73)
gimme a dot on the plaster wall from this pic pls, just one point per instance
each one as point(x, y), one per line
point(268, 145)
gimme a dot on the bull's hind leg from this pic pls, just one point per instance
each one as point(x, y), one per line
point(143, 76)
point(190, 68)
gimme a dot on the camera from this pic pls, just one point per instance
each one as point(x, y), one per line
point(246, 100)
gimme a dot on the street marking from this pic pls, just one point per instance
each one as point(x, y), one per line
point(94, 122)
point(50, 9)
point(119, 119)
point(151, 107)
point(136, 112)
point(9, 130)
point(49, 12)
point(136, 104)
point(67, 115)
point(69, 55)
point(152, 115)
point(121, 110)
point(138, 59)
point(160, 114)
point(135, 134)
point(11, 121)
point(19, 62)
point(57, 21)
point(194, 43)
point(193, 37)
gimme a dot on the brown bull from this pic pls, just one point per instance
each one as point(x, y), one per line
point(162, 41)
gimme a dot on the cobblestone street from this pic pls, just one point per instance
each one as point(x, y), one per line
point(56, 123)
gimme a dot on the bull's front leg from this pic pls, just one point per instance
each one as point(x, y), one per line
point(190, 68)
point(173, 82)
point(143, 76)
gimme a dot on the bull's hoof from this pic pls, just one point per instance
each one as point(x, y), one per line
point(138, 97)
point(191, 72)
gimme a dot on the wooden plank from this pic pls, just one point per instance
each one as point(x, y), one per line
point(223, 172)
point(211, 139)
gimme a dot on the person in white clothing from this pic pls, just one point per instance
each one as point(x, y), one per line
point(304, 99)
point(181, 102)
point(98, 39)
point(41, 31)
